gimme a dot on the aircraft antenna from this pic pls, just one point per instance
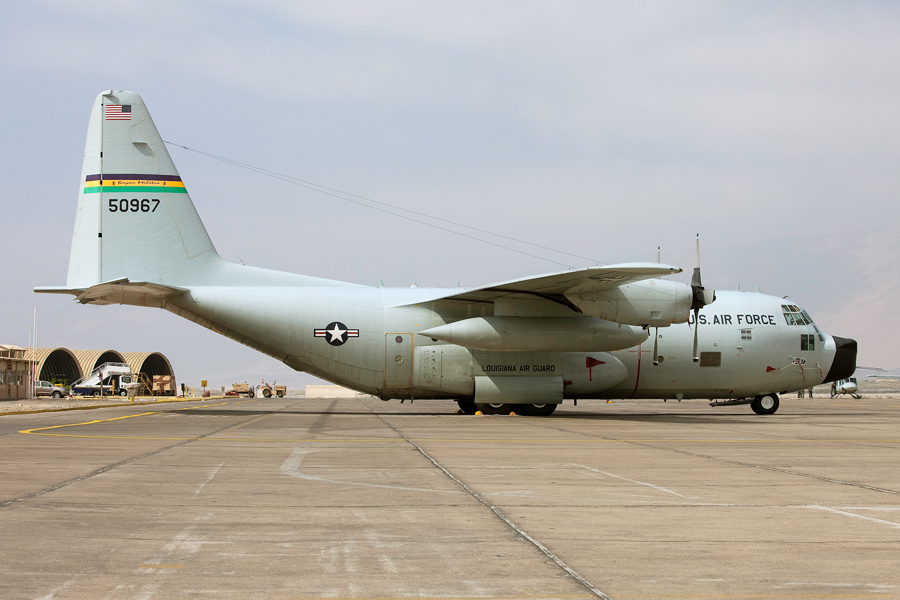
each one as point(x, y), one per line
point(349, 197)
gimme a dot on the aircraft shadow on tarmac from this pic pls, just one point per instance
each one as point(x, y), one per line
point(690, 418)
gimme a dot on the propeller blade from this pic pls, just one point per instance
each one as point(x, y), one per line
point(656, 348)
point(695, 279)
point(701, 298)
point(696, 355)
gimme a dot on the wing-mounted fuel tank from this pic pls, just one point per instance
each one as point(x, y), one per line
point(527, 334)
point(654, 303)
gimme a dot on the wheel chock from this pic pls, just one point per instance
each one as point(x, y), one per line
point(478, 413)
point(512, 414)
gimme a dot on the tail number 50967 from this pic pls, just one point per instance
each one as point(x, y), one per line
point(133, 205)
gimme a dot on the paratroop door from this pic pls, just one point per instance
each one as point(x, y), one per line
point(398, 350)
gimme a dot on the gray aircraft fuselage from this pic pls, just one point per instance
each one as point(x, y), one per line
point(759, 353)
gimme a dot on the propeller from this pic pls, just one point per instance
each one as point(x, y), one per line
point(701, 297)
point(656, 347)
point(656, 331)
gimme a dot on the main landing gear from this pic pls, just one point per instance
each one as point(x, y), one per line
point(761, 405)
point(765, 405)
point(469, 407)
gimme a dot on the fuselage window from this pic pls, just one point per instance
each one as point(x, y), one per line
point(819, 334)
point(807, 342)
point(710, 359)
point(746, 334)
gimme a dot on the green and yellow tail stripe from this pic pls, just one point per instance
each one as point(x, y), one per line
point(130, 182)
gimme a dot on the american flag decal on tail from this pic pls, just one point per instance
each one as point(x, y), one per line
point(118, 112)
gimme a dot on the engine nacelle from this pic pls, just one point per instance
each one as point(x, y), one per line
point(654, 303)
point(551, 334)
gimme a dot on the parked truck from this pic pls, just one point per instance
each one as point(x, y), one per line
point(107, 380)
point(241, 389)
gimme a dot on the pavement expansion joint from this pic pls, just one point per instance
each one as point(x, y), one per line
point(541, 547)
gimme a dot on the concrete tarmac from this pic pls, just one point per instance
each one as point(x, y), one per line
point(347, 498)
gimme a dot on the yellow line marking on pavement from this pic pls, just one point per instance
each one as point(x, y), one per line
point(93, 406)
point(36, 430)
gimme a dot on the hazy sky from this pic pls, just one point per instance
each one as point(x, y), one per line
point(599, 129)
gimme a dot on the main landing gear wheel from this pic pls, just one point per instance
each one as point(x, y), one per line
point(467, 406)
point(765, 405)
point(496, 409)
point(537, 410)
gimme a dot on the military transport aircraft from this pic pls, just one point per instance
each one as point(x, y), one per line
point(523, 345)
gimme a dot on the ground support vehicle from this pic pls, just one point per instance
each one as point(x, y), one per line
point(269, 390)
point(162, 385)
point(105, 380)
point(241, 389)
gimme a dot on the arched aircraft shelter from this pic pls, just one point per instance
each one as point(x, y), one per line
point(68, 366)
point(57, 364)
point(149, 363)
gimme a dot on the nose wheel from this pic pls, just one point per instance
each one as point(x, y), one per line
point(765, 405)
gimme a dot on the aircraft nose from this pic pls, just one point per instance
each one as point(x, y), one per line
point(844, 364)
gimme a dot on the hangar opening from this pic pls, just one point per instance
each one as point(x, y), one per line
point(59, 365)
point(150, 365)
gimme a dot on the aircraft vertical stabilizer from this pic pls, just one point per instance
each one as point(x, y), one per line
point(135, 218)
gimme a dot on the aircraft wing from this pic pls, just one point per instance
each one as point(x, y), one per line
point(120, 291)
point(553, 286)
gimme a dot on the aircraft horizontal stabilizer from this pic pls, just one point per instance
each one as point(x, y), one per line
point(120, 291)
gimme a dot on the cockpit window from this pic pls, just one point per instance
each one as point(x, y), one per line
point(794, 315)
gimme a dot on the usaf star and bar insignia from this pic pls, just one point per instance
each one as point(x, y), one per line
point(336, 333)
